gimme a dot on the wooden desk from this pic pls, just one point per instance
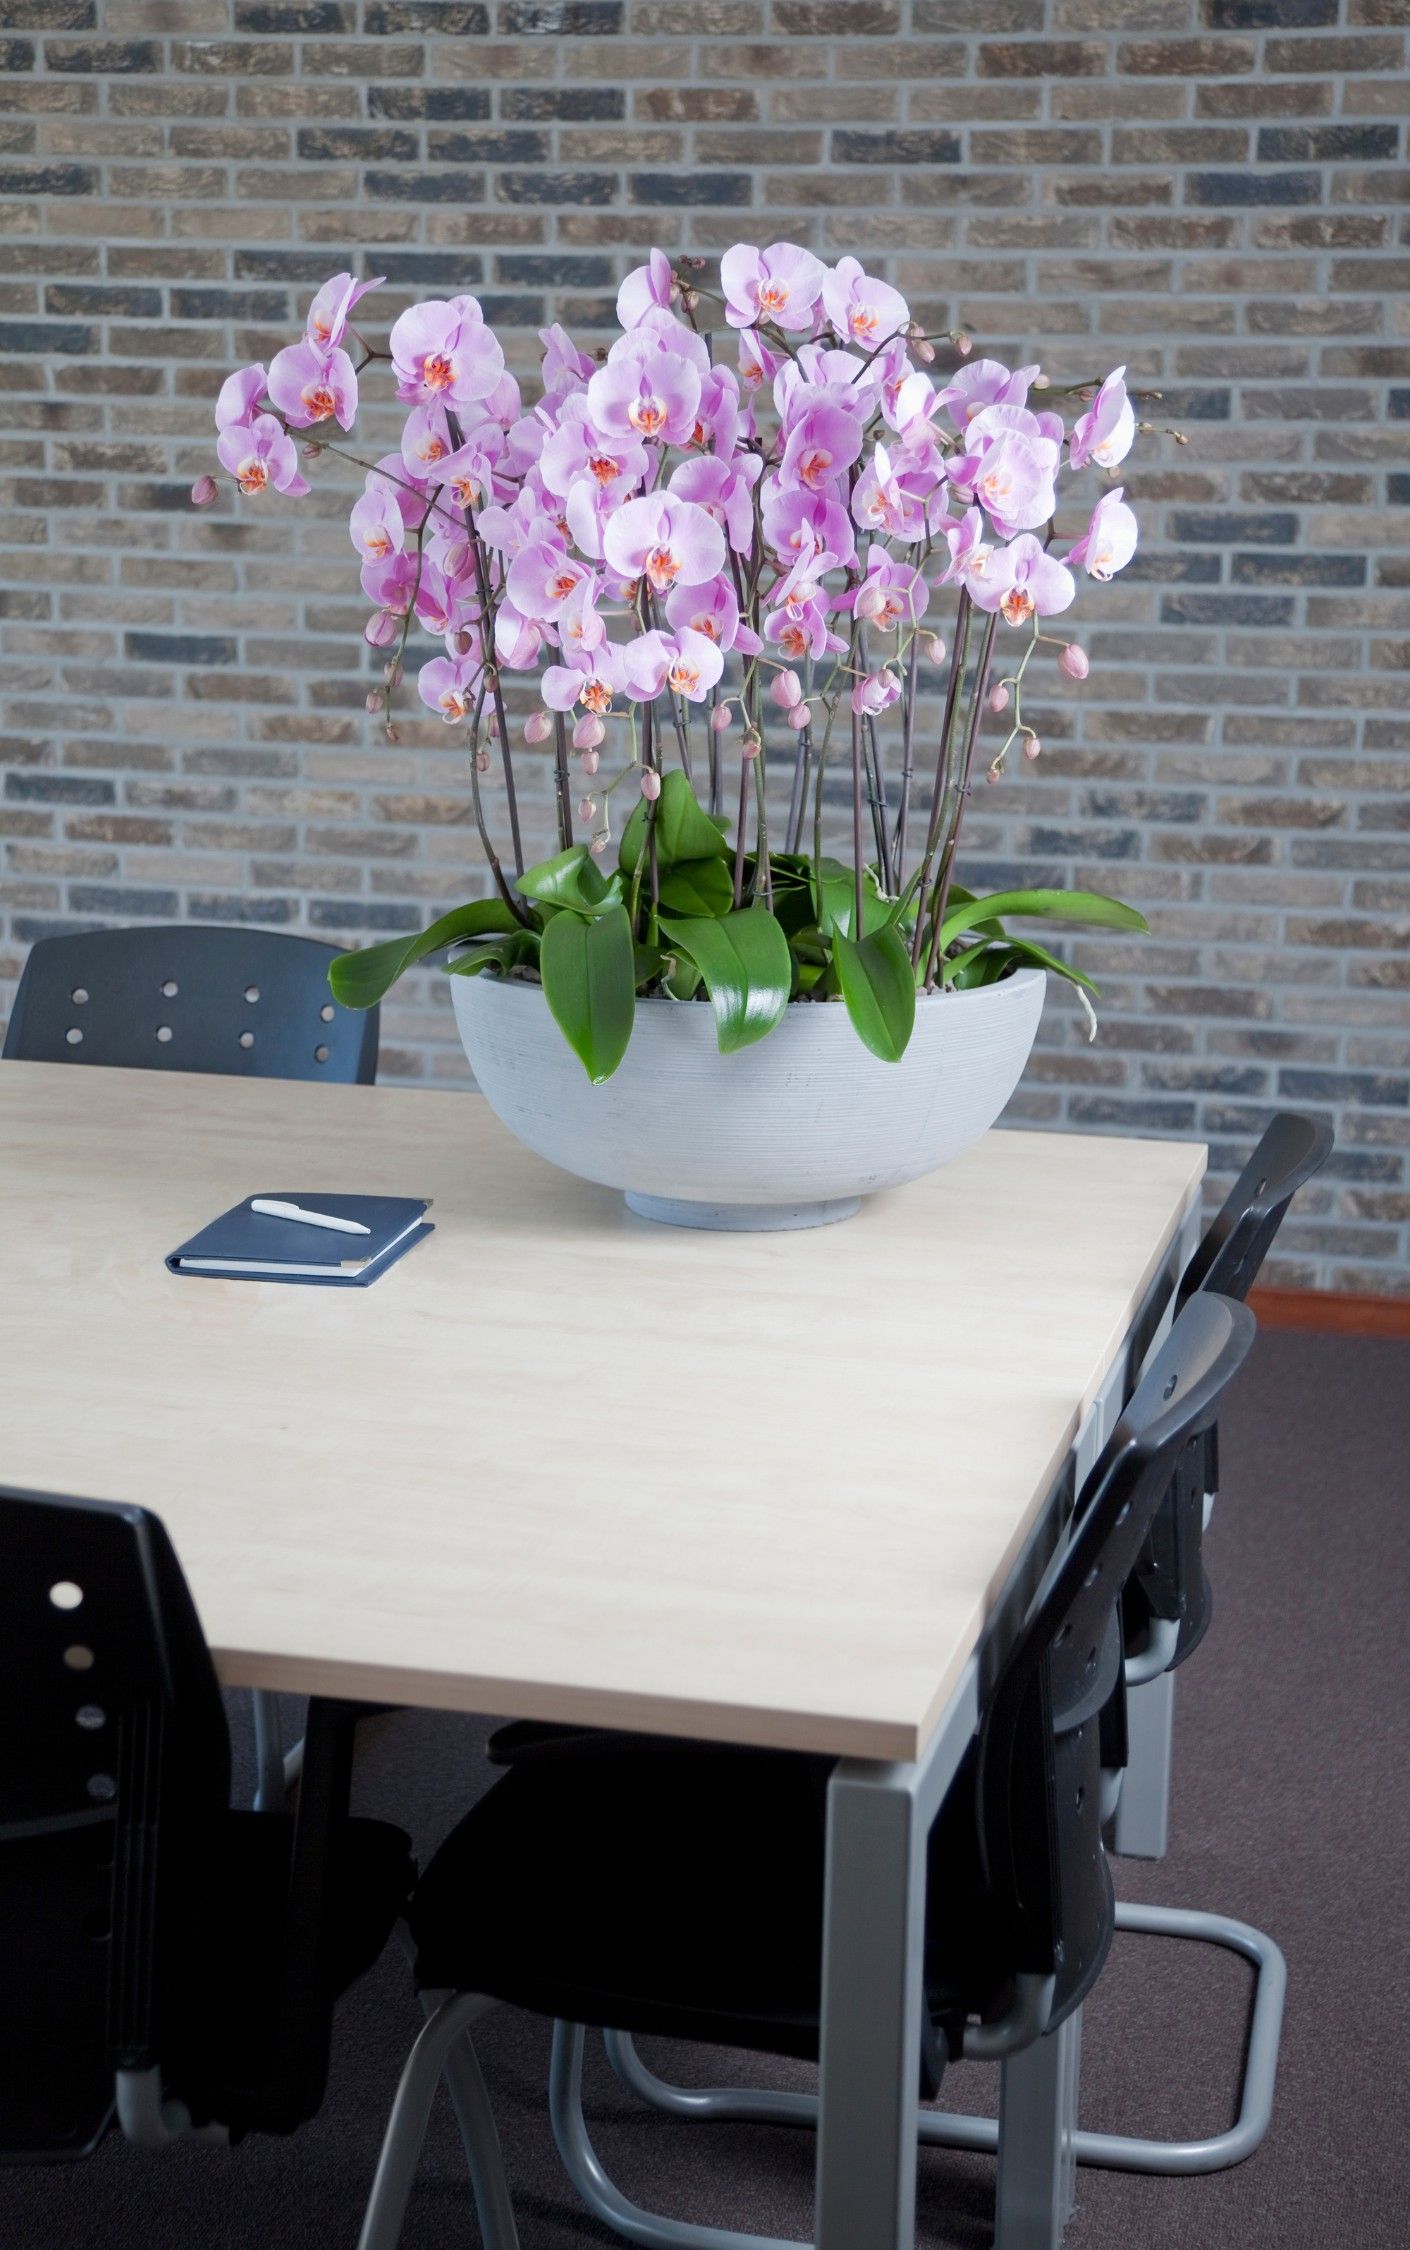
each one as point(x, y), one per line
point(564, 1463)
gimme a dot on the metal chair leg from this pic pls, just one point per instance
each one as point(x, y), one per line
point(1121, 2152)
point(411, 2110)
point(269, 1752)
point(606, 2201)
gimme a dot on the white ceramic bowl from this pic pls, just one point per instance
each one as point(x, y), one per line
point(790, 1132)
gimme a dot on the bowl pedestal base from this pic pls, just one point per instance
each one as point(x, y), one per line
point(742, 1218)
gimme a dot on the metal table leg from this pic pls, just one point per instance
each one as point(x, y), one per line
point(1037, 2157)
point(1143, 1810)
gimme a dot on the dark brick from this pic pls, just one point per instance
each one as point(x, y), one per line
point(487, 148)
point(808, 19)
point(416, 186)
point(561, 19)
point(1043, 58)
point(1227, 189)
point(295, 18)
point(1317, 56)
point(112, 898)
point(48, 179)
point(1186, 405)
point(1228, 530)
point(1269, 15)
point(239, 906)
point(556, 270)
point(703, 188)
point(58, 789)
point(1299, 570)
point(361, 914)
point(450, 19)
point(574, 104)
point(357, 144)
point(430, 101)
point(1378, 1089)
point(896, 148)
point(49, 15)
point(16, 55)
point(44, 336)
point(1327, 144)
point(1226, 609)
point(95, 298)
point(113, 58)
point(229, 304)
point(180, 648)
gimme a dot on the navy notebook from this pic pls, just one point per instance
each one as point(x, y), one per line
point(244, 1245)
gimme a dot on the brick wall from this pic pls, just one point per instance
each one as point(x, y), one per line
point(1209, 190)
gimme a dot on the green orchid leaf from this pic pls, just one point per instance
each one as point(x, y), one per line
point(360, 979)
point(684, 830)
point(509, 952)
point(1016, 953)
point(589, 981)
point(879, 989)
point(748, 971)
point(698, 887)
point(1092, 909)
point(835, 899)
point(572, 879)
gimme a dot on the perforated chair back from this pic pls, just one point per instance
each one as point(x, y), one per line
point(113, 1788)
point(1039, 1772)
point(1171, 1583)
point(241, 1003)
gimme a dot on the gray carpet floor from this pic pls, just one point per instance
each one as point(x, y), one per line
point(1291, 1810)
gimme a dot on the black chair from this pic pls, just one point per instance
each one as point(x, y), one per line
point(232, 1001)
point(1169, 1601)
point(242, 1003)
point(654, 1886)
point(165, 1961)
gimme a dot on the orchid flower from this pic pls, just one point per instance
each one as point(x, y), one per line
point(875, 694)
point(1023, 581)
point(1109, 541)
point(686, 662)
point(239, 397)
point(591, 678)
point(665, 540)
point(862, 310)
point(644, 287)
point(259, 454)
point(442, 353)
point(646, 393)
point(781, 284)
point(985, 382)
point(725, 489)
point(448, 683)
point(1107, 432)
point(331, 309)
point(712, 609)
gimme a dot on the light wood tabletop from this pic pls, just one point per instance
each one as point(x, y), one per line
point(560, 1462)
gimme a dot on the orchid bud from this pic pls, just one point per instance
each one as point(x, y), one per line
point(381, 629)
point(538, 727)
point(786, 689)
point(998, 698)
point(482, 761)
point(392, 735)
point(798, 717)
point(1032, 748)
point(992, 774)
point(456, 558)
point(599, 843)
point(374, 700)
point(750, 746)
point(925, 352)
point(721, 718)
point(650, 784)
point(203, 491)
point(588, 732)
point(1073, 661)
point(311, 452)
point(589, 761)
point(934, 647)
point(964, 345)
point(871, 601)
point(464, 642)
point(1041, 382)
point(587, 808)
point(392, 674)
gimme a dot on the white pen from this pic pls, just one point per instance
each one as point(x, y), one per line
point(269, 1209)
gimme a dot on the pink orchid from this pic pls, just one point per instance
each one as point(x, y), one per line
point(896, 593)
point(259, 454)
point(804, 585)
point(443, 352)
point(862, 310)
point(518, 641)
point(1107, 431)
point(667, 541)
point(541, 578)
point(645, 286)
point(391, 585)
point(802, 631)
point(717, 419)
point(687, 662)
point(239, 397)
point(881, 503)
point(504, 404)
point(580, 626)
point(575, 448)
point(1023, 581)
point(376, 523)
point(468, 474)
point(646, 393)
point(985, 382)
point(410, 491)
point(757, 364)
point(329, 313)
point(659, 327)
point(971, 551)
point(590, 678)
point(875, 694)
point(448, 684)
point(443, 604)
point(781, 284)
point(1011, 475)
point(725, 489)
point(309, 385)
point(524, 520)
point(426, 440)
point(1109, 541)
point(712, 609)
point(806, 522)
point(565, 368)
point(822, 439)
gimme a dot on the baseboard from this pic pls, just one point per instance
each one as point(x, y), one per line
point(1332, 1313)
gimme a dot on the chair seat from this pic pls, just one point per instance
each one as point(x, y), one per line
point(56, 2093)
point(674, 1887)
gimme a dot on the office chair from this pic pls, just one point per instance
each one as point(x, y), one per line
point(646, 1885)
point(167, 1962)
point(237, 1002)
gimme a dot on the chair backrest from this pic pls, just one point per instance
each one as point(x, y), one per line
point(114, 1785)
point(1039, 1767)
point(1170, 1582)
point(242, 1003)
